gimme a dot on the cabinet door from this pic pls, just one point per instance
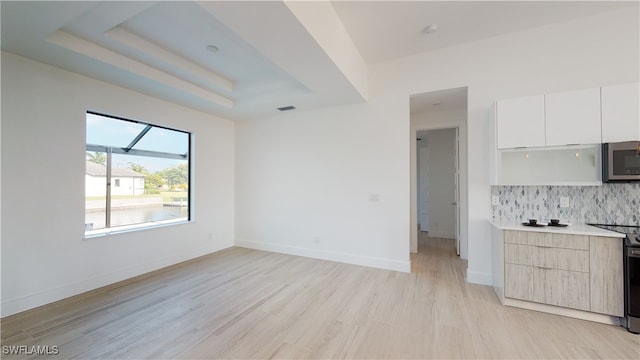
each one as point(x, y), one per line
point(523, 282)
point(573, 118)
point(620, 113)
point(520, 122)
point(606, 275)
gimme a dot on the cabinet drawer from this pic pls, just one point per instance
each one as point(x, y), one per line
point(548, 286)
point(567, 288)
point(547, 257)
point(565, 241)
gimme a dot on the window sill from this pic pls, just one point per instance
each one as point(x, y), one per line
point(88, 235)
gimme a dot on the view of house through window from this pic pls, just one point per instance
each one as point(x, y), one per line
point(136, 173)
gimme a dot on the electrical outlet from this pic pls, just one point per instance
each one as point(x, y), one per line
point(564, 202)
point(374, 197)
point(210, 236)
point(316, 239)
point(495, 200)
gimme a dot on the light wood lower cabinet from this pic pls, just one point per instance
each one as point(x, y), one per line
point(572, 271)
point(607, 287)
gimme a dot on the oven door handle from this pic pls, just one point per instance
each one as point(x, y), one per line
point(634, 252)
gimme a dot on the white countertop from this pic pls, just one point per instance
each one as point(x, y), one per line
point(574, 229)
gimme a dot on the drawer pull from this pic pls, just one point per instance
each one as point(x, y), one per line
point(544, 267)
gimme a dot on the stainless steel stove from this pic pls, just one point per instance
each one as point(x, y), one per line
point(631, 254)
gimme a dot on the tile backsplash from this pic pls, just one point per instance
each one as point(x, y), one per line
point(607, 204)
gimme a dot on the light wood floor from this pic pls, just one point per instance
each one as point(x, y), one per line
point(242, 303)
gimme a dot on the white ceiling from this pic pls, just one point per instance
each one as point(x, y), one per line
point(442, 100)
point(384, 30)
point(267, 56)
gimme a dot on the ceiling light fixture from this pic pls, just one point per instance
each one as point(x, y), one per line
point(430, 29)
point(287, 108)
point(212, 48)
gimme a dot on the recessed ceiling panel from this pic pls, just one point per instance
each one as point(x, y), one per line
point(174, 37)
point(157, 48)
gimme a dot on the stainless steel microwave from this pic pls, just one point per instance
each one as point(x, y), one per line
point(621, 161)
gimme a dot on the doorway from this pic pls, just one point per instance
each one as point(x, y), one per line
point(438, 205)
point(437, 184)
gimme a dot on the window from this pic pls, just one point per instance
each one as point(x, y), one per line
point(148, 166)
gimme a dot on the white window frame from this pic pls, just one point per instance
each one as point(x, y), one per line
point(110, 150)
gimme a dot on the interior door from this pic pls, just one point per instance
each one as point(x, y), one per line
point(456, 190)
point(423, 188)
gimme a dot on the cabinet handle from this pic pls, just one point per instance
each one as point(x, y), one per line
point(543, 246)
point(543, 267)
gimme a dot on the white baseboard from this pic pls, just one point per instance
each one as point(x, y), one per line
point(15, 306)
point(441, 234)
point(556, 310)
point(380, 263)
point(482, 278)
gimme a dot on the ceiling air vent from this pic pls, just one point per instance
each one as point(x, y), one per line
point(287, 108)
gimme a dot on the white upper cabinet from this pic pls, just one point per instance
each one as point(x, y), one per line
point(529, 135)
point(620, 114)
point(573, 117)
point(520, 122)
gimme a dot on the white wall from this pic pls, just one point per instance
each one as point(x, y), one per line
point(327, 184)
point(1, 186)
point(441, 179)
point(304, 175)
point(44, 256)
